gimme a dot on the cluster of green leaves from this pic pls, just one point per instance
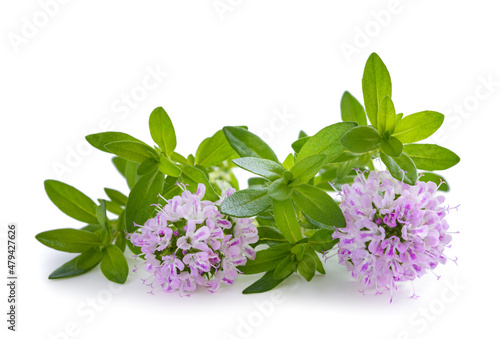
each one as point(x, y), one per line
point(148, 171)
point(284, 201)
point(101, 241)
point(391, 136)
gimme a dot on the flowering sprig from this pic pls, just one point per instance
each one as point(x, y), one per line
point(297, 218)
point(151, 173)
point(293, 192)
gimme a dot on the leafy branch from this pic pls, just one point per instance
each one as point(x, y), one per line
point(289, 200)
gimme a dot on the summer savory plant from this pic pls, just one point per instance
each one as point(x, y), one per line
point(189, 225)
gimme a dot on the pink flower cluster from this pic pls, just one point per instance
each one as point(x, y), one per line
point(190, 244)
point(395, 231)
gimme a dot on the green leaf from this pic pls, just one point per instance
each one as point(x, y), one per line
point(284, 268)
point(71, 201)
point(214, 150)
point(131, 150)
point(114, 265)
point(391, 146)
point(345, 156)
point(309, 223)
point(399, 116)
point(258, 182)
point(361, 139)
point(437, 179)
point(246, 203)
point(131, 173)
point(386, 116)
point(289, 161)
point(176, 157)
point(121, 241)
point(286, 220)
point(376, 85)
point(431, 157)
point(418, 126)
point(326, 141)
point(166, 166)
point(116, 196)
point(92, 228)
point(203, 169)
point(297, 144)
point(120, 223)
point(147, 166)
point(319, 265)
point(270, 236)
point(318, 205)
point(90, 258)
point(69, 240)
point(142, 196)
point(266, 259)
point(287, 176)
point(121, 238)
point(299, 250)
point(101, 213)
point(202, 145)
point(264, 284)
point(321, 240)
point(100, 140)
point(307, 267)
point(401, 168)
point(247, 144)
point(351, 109)
point(307, 168)
point(69, 269)
point(162, 130)
point(263, 167)
point(267, 219)
point(103, 221)
point(278, 190)
point(192, 176)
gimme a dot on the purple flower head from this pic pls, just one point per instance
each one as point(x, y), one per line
point(394, 232)
point(190, 244)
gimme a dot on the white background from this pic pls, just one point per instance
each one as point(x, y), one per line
point(278, 67)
